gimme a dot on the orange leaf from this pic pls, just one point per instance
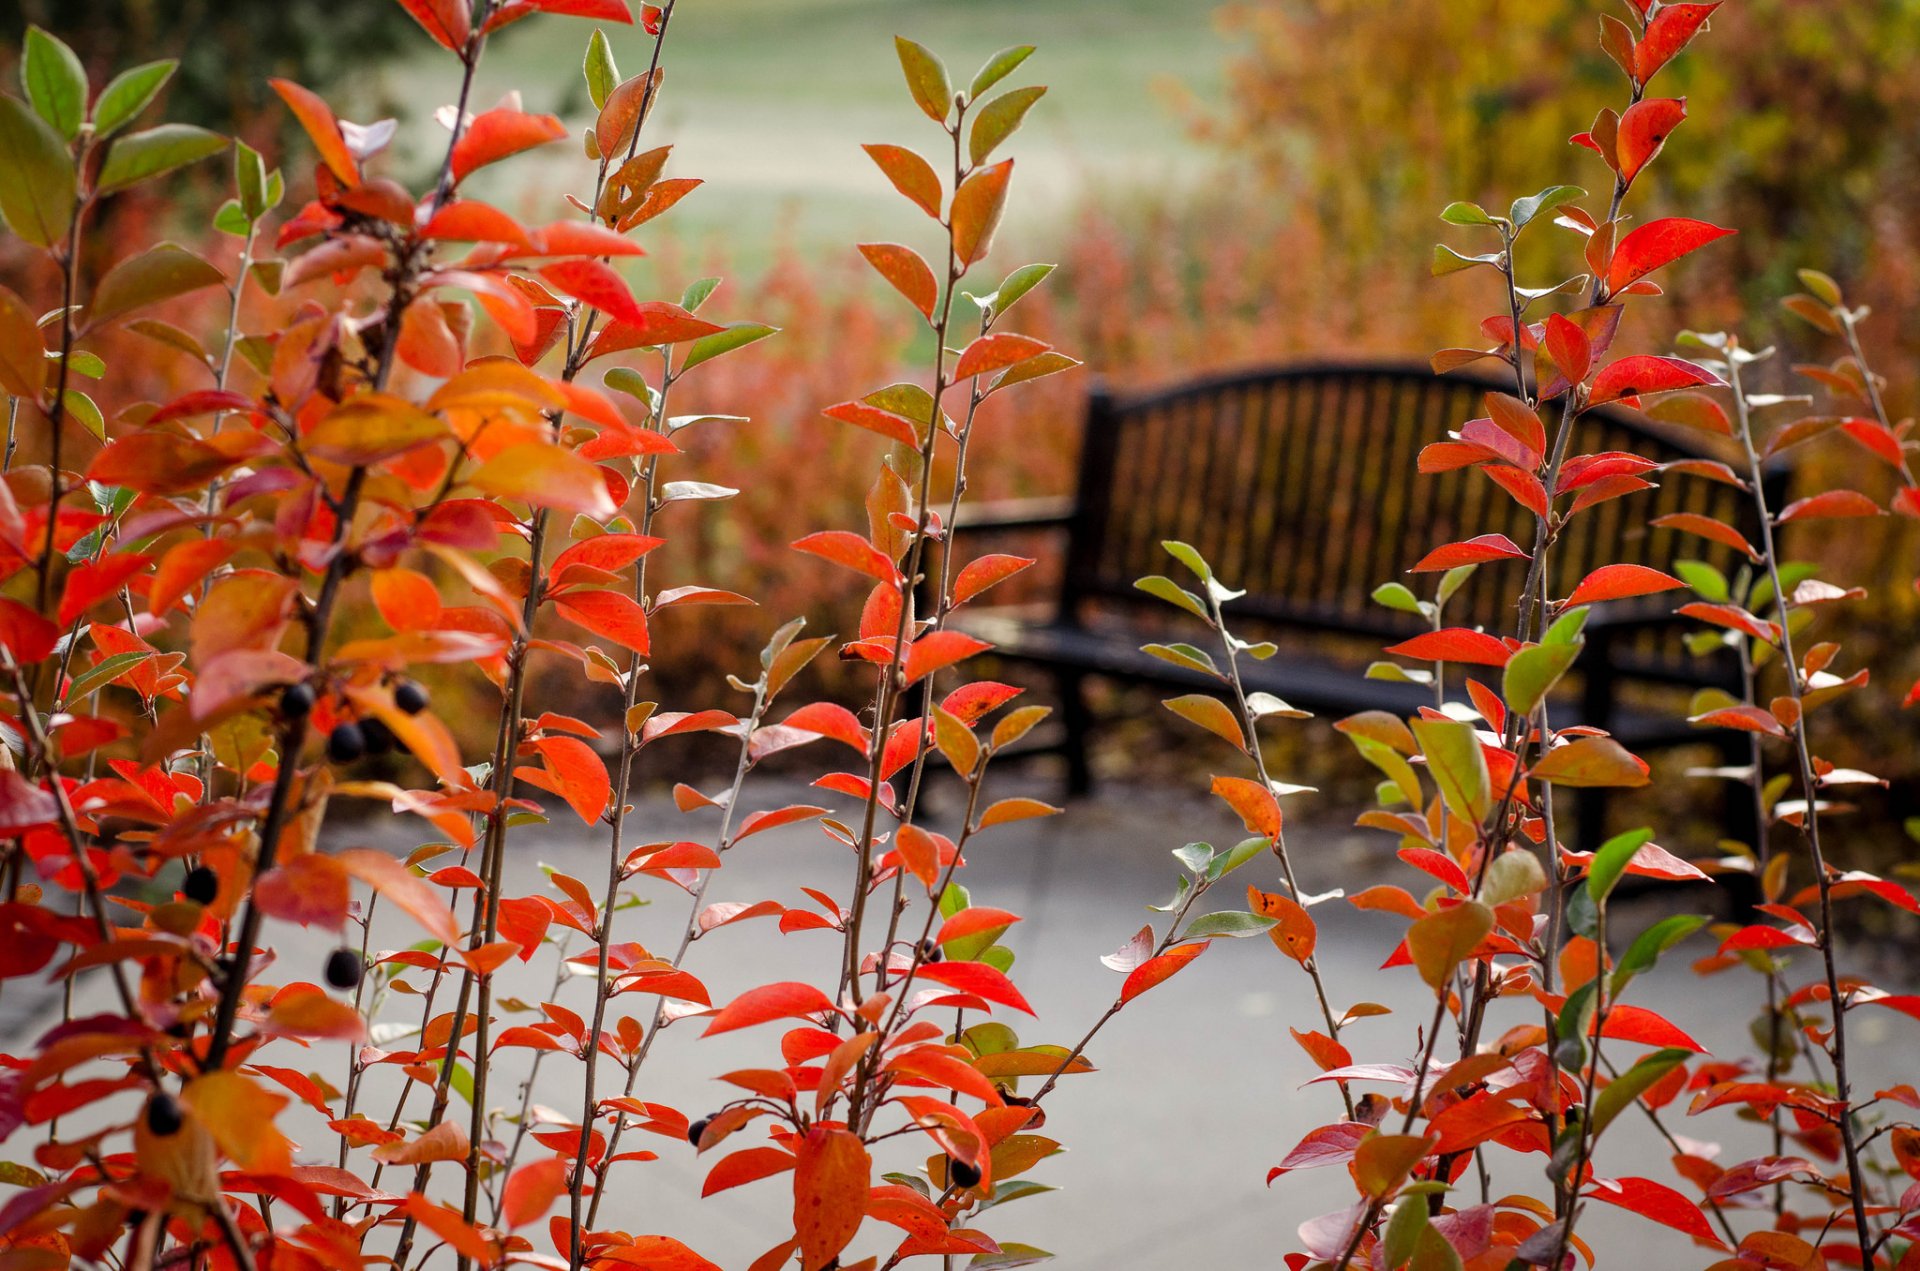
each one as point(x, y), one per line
point(1253, 801)
point(977, 205)
point(1616, 582)
point(497, 133)
point(1155, 970)
point(831, 1176)
point(532, 1190)
point(317, 118)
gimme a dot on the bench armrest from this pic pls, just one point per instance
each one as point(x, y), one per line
point(1016, 514)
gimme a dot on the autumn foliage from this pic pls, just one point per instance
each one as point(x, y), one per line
point(453, 453)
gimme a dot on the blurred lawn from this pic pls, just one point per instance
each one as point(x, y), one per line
point(769, 100)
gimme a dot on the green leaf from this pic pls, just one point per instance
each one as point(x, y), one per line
point(84, 409)
point(159, 273)
point(1511, 875)
point(1531, 674)
point(1623, 1090)
point(1647, 947)
point(1010, 1255)
point(250, 181)
point(926, 78)
point(1185, 655)
point(1610, 862)
point(129, 93)
point(1526, 209)
point(1233, 858)
point(1231, 923)
point(1707, 582)
point(1402, 1236)
point(1451, 582)
point(1448, 261)
point(1567, 627)
point(737, 336)
point(1576, 1017)
point(602, 75)
point(1017, 284)
point(1161, 587)
point(998, 67)
point(141, 156)
point(1388, 760)
point(1188, 557)
point(232, 219)
point(36, 195)
point(1466, 214)
point(697, 293)
point(103, 671)
point(1458, 765)
point(55, 81)
point(1396, 596)
point(1000, 119)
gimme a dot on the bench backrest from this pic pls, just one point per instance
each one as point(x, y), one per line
point(1301, 485)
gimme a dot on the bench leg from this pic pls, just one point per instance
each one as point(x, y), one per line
point(1740, 820)
point(1589, 819)
point(1078, 721)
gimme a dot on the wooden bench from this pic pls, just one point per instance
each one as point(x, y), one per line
point(1300, 485)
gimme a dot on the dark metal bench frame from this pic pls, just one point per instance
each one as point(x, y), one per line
point(1627, 641)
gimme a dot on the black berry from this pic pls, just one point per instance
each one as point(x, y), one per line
point(409, 697)
point(931, 952)
point(200, 885)
point(377, 736)
point(163, 1115)
point(344, 968)
point(346, 743)
point(295, 701)
point(963, 1174)
point(697, 1129)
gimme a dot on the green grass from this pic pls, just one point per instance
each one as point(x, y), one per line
point(769, 100)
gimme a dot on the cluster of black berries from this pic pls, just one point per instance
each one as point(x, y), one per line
point(354, 739)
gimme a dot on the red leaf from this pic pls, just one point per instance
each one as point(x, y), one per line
point(1474, 551)
point(1749, 719)
point(1730, 616)
point(972, 921)
point(996, 352)
point(579, 775)
point(843, 547)
point(658, 322)
point(612, 614)
point(1639, 1025)
point(1569, 348)
point(830, 720)
point(1453, 644)
point(1155, 970)
point(889, 425)
point(449, 22)
point(317, 118)
point(495, 134)
point(910, 174)
point(595, 284)
point(747, 1166)
point(937, 650)
point(983, 572)
point(1617, 582)
point(979, 979)
point(977, 205)
point(403, 888)
point(1668, 33)
point(1644, 128)
point(786, 1000)
point(1655, 244)
point(1328, 1145)
point(1643, 374)
point(909, 273)
point(1831, 505)
point(1657, 1202)
point(1708, 528)
point(531, 1191)
point(94, 581)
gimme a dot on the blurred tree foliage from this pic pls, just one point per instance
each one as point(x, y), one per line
point(227, 48)
point(1373, 116)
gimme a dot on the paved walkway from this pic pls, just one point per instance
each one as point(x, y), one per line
point(1200, 1088)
